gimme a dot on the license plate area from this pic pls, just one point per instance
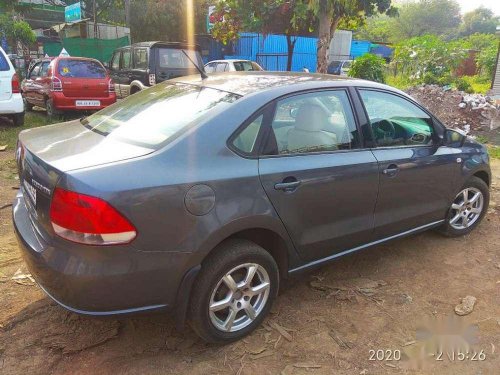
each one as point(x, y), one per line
point(87, 103)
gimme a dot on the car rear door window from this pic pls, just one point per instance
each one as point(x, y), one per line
point(81, 69)
point(396, 121)
point(115, 62)
point(35, 71)
point(44, 69)
point(313, 122)
point(126, 59)
point(4, 64)
point(243, 66)
point(140, 58)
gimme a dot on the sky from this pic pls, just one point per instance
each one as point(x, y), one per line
point(468, 5)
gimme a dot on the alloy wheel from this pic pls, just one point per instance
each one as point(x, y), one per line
point(239, 297)
point(466, 208)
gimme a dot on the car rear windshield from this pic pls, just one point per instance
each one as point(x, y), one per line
point(4, 65)
point(157, 115)
point(176, 59)
point(81, 69)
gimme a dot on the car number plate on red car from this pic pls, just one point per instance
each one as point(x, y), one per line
point(88, 103)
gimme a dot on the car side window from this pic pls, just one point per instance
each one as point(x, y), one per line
point(44, 69)
point(140, 58)
point(35, 72)
point(313, 122)
point(126, 59)
point(209, 68)
point(245, 141)
point(115, 62)
point(221, 67)
point(396, 121)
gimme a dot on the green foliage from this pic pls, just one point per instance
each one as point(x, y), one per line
point(463, 85)
point(370, 67)
point(494, 152)
point(16, 30)
point(479, 84)
point(428, 59)
point(480, 20)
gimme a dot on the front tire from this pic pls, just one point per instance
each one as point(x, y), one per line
point(233, 292)
point(467, 209)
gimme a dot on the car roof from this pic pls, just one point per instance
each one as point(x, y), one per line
point(245, 83)
point(158, 43)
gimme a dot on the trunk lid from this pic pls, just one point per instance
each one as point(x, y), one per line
point(82, 78)
point(44, 154)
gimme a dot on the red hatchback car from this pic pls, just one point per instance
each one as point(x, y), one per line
point(68, 84)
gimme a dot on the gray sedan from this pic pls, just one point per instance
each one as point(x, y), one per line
point(200, 196)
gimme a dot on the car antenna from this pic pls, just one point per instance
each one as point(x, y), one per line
point(202, 73)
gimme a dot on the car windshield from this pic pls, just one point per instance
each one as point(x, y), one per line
point(81, 69)
point(157, 115)
point(335, 64)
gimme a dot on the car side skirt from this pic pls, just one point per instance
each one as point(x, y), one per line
point(322, 261)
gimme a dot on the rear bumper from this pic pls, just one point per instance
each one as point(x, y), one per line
point(99, 280)
point(12, 105)
point(65, 103)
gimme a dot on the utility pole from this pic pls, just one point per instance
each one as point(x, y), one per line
point(127, 12)
point(95, 20)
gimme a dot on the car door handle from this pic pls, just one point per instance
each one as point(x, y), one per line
point(287, 186)
point(391, 170)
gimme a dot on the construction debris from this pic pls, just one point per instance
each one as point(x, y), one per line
point(457, 109)
point(466, 306)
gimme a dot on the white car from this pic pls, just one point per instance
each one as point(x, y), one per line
point(11, 101)
point(217, 66)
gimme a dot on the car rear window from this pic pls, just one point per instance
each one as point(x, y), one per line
point(175, 58)
point(81, 69)
point(4, 64)
point(152, 117)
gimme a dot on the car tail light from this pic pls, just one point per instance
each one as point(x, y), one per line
point(89, 220)
point(152, 79)
point(15, 84)
point(56, 84)
point(111, 86)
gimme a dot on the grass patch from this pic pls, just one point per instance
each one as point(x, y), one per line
point(398, 81)
point(480, 85)
point(9, 132)
point(494, 152)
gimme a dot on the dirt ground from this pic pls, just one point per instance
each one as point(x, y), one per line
point(323, 322)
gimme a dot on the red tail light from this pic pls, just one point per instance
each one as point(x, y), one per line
point(88, 220)
point(15, 84)
point(111, 86)
point(56, 84)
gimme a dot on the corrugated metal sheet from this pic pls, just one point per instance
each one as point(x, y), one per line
point(271, 51)
point(360, 48)
point(495, 89)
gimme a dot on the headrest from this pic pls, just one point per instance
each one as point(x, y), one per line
point(311, 117)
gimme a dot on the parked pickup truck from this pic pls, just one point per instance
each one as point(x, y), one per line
point(140, 65)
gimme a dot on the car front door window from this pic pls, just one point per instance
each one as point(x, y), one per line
point(396, 121)
point(314, 122)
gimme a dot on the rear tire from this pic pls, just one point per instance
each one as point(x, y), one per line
point(51, 111)
point(18, 119)
point(242, 277)
point(467, 209)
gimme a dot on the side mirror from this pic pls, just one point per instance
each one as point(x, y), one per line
point(453, 138)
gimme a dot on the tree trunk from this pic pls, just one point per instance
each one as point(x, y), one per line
point(323, 37)
point(290, 41)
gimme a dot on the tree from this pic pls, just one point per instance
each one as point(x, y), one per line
point(438, 17)
point(330, 12)
point(480, 20)
point(291, 18)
